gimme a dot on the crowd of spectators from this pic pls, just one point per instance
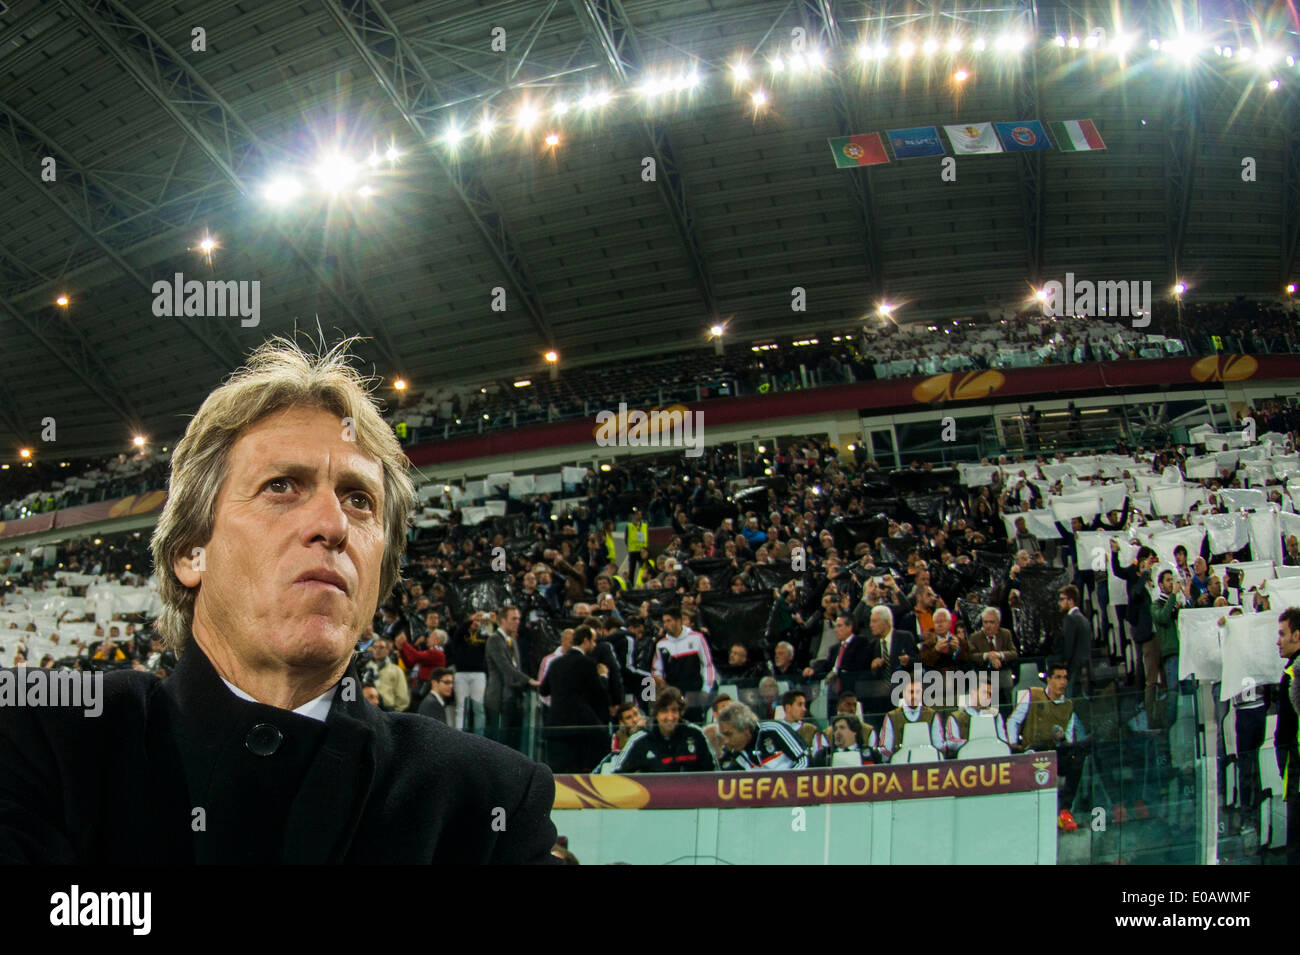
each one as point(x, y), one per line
point(881, 349)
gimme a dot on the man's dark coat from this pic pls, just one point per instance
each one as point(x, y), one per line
point(230, 781)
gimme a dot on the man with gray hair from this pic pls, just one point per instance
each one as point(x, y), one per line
point(284, 526)
point(992, 648)
point(751, 743)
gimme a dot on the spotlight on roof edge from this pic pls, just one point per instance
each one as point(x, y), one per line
point(1179, 288)
point(759, 98)
point(61, 300)
point(716, 331)
point(552, 357)
point(740, 71)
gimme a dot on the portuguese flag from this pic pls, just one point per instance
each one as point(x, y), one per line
point(1077, 135)
point(865, 149)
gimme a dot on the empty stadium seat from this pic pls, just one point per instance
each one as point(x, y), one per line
point(982, 748)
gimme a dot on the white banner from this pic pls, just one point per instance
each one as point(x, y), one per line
point(572, 477)
point(1283, 592)
point(521, 484)
point(1253, 572)
point(1247, 497)
point(1164, 542)
point(1265, 535)
point(1250, 653)
point(1084, 504)
point(1039, 523)
point(1228, 533)
point(548, 484)
point(1200, 654)
point(1112, 496)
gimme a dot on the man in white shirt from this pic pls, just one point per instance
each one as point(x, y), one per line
point(682, 659)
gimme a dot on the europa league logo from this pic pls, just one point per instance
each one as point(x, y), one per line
point(956, 386)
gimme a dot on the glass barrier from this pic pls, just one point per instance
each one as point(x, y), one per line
point(1135, 794)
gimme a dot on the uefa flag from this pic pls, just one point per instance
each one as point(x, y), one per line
point(865, 149)
point(1077, 135)
point(1024, 136)
point(916, 141)
point(971, 138)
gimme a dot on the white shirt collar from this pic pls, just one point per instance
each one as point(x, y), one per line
point(316, 709)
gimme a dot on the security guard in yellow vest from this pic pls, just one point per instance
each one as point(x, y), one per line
point(637, 538)
point(1045, 720)
point(1286, 738)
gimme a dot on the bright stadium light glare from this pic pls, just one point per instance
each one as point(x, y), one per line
point(1179, 288)
point(604, 97)
point(1290, 289)
point(954, 45)
point(1290, 61)
point(282, 189)
point(797, 63)
point(1245, 53)
point(373, 159)
point(930, 46)
point(552, 139)
point(392, 155)
point(27, 453)
point(1091, 41)
point(485, 126)
point(864, 52)
point(527, 116)
point(1121, 43)
point(1266, 57)
point(366, 191)
point(551, 357)
point(452, 135)
point(980, 45)
point(740, 71)
point(138, 441)
point(1227, 52)
point(777, 64)
point(560, 108)
point(715, 331)
point(587, 102)
point(816, 60)
point(62, 300)
point(1153, 43)
point(759, 98)
point(1060, 40)
point(885, 309)
point(1274, 84)
point(1184, 48)
point(400, 384)
point(336, 172)
point(1074, 43)
point(906, 49)
point(961, 76)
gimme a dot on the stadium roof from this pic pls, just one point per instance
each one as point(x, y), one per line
point(169, 121)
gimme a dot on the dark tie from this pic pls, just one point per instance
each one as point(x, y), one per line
point(838, 660)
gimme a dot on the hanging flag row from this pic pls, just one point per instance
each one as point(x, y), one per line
point(967, 139)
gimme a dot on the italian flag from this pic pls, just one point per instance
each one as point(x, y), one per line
point(1077, 135)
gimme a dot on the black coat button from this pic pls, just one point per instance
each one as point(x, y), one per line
point(263, 739)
